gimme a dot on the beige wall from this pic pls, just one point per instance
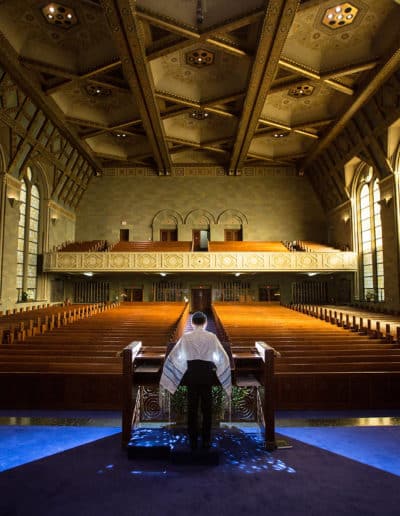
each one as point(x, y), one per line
point(276, 208)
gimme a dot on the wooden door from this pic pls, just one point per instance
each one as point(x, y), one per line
point(201, 299)
point(168, 235)
point(196, 239)
point(233, 235)
point(134, 294)
point(124, 235)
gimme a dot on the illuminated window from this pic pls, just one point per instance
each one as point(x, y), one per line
point(370, 234)
point(28, 238)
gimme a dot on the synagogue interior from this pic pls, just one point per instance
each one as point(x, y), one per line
point(239, 158)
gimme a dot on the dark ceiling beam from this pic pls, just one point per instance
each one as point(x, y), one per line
point(29, 83)
point(126, 28)
point(275, 29)
point(382, 75)
point(71, 77)
point(295, 129)
point(206, 106)
point(195, 145)
point(326, 79)
point(211, 36)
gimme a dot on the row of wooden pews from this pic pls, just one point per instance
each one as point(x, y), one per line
point(86, 246)
point(79, 365)
point(247, 247)
point(320, 365)
point(152, 247)
point(17, 325)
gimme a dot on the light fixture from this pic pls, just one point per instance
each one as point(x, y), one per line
point(386, 201)
point(54, 220)
point(200, 57)
point(199, 12)
point(13, 201)
point(163, 274)
point(97, 91)
point(280, 134)
point(89, 274)
point(311, 274)
point(346, 218)
point(59, 15)
point(237, 274)
point(340, 15)
point(301, 90)
point(199, 114)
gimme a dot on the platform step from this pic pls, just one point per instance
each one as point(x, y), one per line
point(150, 443)
point(169, 444)
point(182, 454)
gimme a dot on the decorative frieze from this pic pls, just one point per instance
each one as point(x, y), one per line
point(200, 262)
point(207, 171)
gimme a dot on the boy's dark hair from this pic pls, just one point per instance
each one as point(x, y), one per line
point(199, 318)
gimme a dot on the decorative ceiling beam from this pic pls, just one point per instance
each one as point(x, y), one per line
point(383, 74)
point(295, 129)
point(126, 28)
point(325, 78)
point(101, 129)
point(276, 25)
point(192, 35)
point(195, 145)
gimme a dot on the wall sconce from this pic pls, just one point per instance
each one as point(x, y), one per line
point(54, 220)
point(13, 201)
point(346, 218)
point(386, 201)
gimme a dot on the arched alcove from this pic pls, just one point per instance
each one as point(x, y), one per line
point(167, 221)
point(199, 218)
point(232, 217)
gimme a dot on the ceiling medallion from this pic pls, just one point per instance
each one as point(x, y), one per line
point(301, 90)
point(340, 15)
point(60, 15)
point(199, 114)
point(97, 91)
point(200, 58)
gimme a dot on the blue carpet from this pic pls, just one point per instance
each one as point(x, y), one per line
point(97, 479)
point(22, 444)
point(376, 446)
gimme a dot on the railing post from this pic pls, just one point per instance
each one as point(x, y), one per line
point(268, 355)
point(128, 402)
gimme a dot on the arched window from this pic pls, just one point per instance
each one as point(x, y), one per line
point(28, 237)
point(370, 237)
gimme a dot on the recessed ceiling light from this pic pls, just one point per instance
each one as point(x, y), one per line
point(97, 91)
point(339, 16)
point(302, 90)
point(59, 15)
point(200, 58)
point(199, 114)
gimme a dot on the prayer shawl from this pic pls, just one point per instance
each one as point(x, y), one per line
point(198, 344)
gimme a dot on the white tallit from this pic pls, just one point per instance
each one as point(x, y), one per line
point(198, 344)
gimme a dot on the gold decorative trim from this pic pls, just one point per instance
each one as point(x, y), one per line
point(192, 171)
point(200, 262)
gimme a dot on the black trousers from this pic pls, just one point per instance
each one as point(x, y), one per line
point(199, 394)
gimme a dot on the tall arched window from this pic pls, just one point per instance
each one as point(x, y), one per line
point(371, 243)
point(28, 237)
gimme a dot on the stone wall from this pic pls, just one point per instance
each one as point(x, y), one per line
point(279, 207)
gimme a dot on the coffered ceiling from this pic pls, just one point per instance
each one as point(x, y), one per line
point(230, 83)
